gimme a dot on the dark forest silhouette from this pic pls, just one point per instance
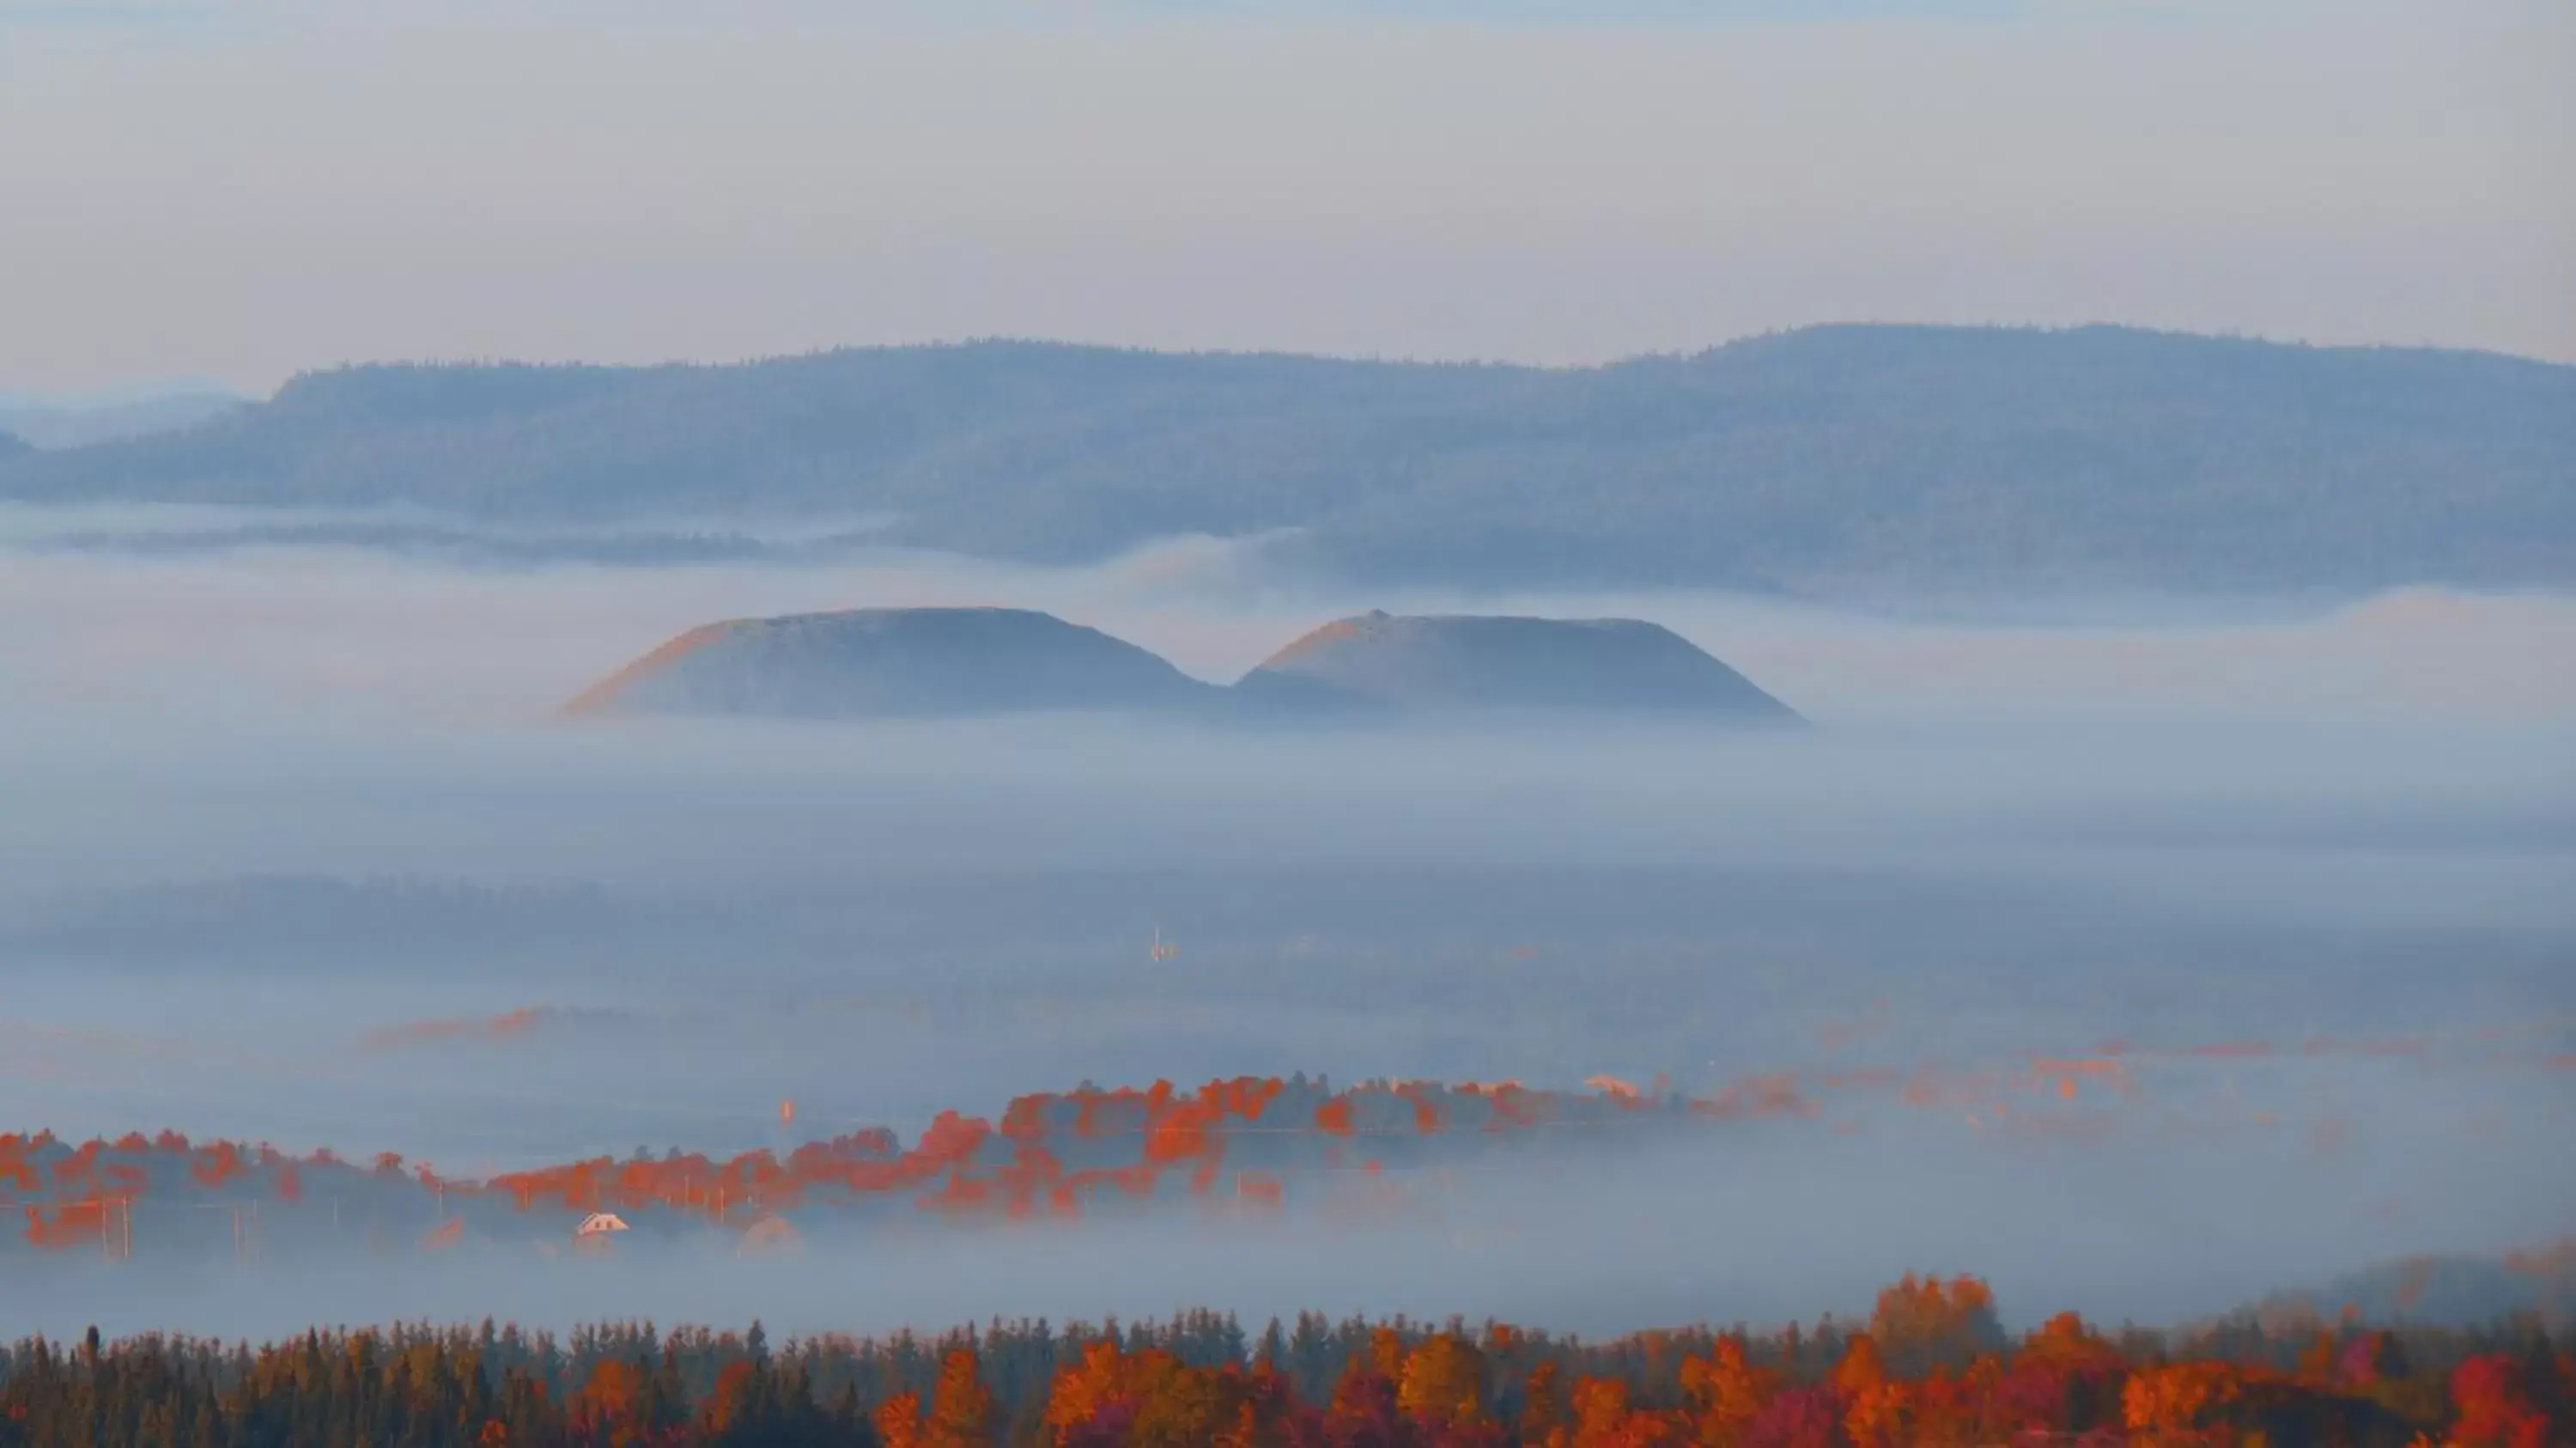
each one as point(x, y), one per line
point(1931, 1366)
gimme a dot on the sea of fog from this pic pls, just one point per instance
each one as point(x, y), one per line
point(283, 829)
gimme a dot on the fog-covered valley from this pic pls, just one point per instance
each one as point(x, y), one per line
point(1574, 723)
point(297, 850)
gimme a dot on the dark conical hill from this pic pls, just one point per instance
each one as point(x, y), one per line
point(1468, 663)
point(893, 663)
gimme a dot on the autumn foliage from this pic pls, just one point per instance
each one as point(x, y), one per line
point(1198, 1382)
point(1245, 1145)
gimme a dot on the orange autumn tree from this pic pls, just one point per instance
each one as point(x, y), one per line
point(961, 1412)
point(1184, 1407)
point(1726, 1393)
point(1545, 1421)
point(1152, 1399)
point(1603, 1419)
point(1090, 1389)
point(614, 1407)
point(1920, 1323)
point(2175, 1403)
point(1386, 1353)
point(1880, 1410)
point(1442, 1383)
point(1950, 1408)
point(898, 1421)
point(1363, 1409)
point(2066, 1378)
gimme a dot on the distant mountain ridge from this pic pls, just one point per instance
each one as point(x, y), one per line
point(48, 424)
point(916, 663)
point(1821, 460)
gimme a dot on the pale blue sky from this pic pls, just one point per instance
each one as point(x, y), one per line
point(243, 190)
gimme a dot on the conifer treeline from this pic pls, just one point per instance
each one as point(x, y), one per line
point(1931, 1367)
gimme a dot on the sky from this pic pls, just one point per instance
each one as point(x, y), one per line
point(238, 192)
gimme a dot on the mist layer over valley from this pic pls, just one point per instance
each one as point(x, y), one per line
point(297, 851)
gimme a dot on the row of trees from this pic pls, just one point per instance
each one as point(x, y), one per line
point(1050, 1154)
point(1931, 1367)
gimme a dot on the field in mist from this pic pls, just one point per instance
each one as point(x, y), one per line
point(292, 849)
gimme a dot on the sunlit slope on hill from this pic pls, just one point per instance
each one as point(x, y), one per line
point(963, 662)
point(1449, 664)
point(892, 663)
point(1837, 458)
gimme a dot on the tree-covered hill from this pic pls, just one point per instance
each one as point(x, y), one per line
point(1819, 459)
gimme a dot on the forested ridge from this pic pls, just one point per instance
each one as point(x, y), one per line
point(1818, 460)
point(1930, 1366)
point(1242, 1148)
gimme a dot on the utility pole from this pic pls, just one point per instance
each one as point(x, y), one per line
point(245, 1231)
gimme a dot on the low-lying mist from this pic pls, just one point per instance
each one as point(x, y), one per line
point(1760, 1227)
point(293, 849)
point(420, 636)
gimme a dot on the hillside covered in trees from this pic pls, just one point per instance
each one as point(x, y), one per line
point(1931, 1366)
point(964, 662)
point(1820, 460)
point(36, 422)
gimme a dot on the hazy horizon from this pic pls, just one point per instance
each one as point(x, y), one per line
point(147, 388)
point(1548, 184)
